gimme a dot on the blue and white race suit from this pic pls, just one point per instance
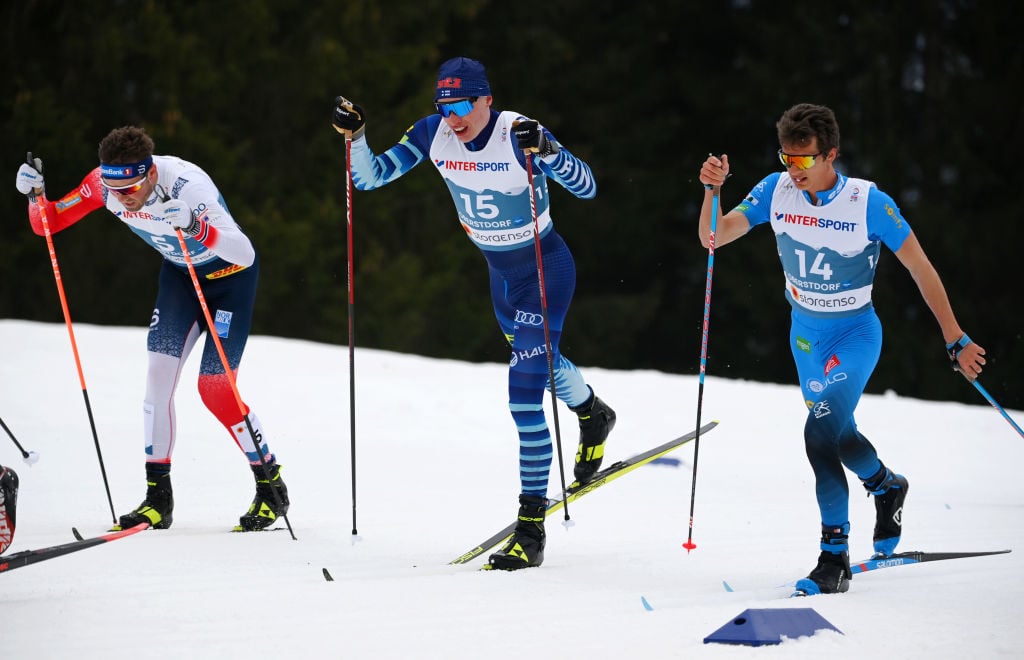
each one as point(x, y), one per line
point(489, 184)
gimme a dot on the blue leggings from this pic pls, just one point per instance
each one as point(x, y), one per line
point(230, 301)
point(834, 360)
point(515, 294)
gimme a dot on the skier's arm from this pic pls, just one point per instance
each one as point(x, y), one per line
point(213, 224)
point(70, 208)
point(370, 171)
point(553, 159)
point(911, 255)
point(733, 224)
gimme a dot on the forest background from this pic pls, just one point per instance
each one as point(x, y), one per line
point(923, 91)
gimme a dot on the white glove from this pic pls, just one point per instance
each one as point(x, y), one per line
point(29, 179)
point(177, 213)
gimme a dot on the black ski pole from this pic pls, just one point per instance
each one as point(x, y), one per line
point(690, 545)
point(350, 265)
point(29, 456)
point(547, 332)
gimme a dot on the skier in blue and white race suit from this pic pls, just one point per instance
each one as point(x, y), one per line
point(480, 154)
point(829, 229)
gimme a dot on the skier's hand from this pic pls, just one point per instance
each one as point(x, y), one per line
point(30, 178)
point(530, 136)
point(348, 118)
point(714, 171)
point(177, 213)
point(966, 357)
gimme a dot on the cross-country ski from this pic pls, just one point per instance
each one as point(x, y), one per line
point(899, 559)
point(27, 557)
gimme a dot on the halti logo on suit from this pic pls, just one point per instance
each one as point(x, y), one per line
point(527, 354)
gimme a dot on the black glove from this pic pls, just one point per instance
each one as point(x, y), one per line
point(348, 118)
point(530, 135)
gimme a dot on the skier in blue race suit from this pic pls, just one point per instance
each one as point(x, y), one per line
point(481, 155)
point(829, 229)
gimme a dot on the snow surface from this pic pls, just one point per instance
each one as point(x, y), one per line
point(436, 474)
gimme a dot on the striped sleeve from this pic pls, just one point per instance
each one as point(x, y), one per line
point(370, 171)
point(570, 172)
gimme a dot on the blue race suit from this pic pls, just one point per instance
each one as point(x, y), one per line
point(829, 253)
point(489, 184)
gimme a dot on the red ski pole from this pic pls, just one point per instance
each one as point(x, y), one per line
point(228, 372)
point(547, 331)
point(37, 198)
point(350, 259)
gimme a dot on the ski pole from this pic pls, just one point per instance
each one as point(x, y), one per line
point(715, 192)
point(29, 456)
point(547, 330)
point(41, 206)
point(350, 259)
point(212, 331)
point(998, 407)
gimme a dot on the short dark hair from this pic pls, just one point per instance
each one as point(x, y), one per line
point(128, 144)
point(805, 121)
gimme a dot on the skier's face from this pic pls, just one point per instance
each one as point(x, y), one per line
point(466, 127)
point(132, 194)
point(809, 168)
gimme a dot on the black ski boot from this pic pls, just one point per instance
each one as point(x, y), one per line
point(890, 491)
point(8, 506)
point(832, 574)
point(271, 500)
point(158, 507)
point(596, 421)
point(526, 546)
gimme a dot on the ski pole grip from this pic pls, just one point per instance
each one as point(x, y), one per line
point(38, 164)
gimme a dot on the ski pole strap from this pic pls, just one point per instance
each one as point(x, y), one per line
point(954, 349)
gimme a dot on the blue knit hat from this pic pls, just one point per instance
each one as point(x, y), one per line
point(459, 77)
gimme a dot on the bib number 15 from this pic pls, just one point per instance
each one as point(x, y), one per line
point(479, 206)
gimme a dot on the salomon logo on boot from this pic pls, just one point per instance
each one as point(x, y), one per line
point(832, 574)
point(890, 492)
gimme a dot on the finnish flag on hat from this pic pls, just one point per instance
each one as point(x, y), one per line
point(461, 77)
